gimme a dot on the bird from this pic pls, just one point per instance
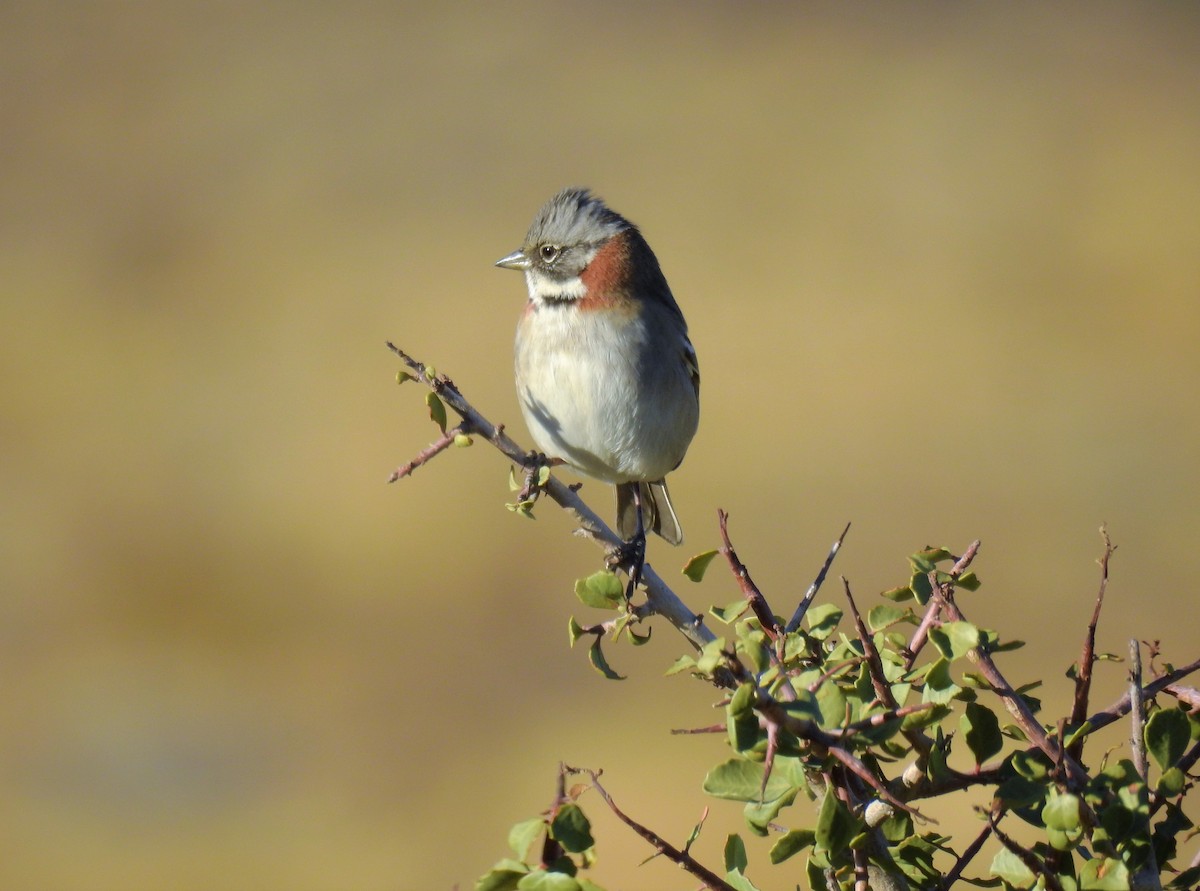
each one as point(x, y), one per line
point(606, 376)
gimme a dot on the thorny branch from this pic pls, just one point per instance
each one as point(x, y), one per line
point(941, 607)
point(750, 591)
point(677, 856)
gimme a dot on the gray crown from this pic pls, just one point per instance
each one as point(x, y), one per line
point(575, 217)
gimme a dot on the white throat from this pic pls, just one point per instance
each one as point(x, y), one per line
point(543, 289)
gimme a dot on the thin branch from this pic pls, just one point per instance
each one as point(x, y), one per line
point(883, 690)
point(921, 636)
point(1137, 713)
point(679, 857)
point(659, 596)
point(1087, 659)
point(968, 854)
point(1016, 706)
point(1032, 862)
point(436, 448)
point(1120, 708)
point(807, 599)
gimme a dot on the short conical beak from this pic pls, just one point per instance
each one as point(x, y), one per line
point(515, 260)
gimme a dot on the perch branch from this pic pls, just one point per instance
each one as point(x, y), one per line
point(659, 596)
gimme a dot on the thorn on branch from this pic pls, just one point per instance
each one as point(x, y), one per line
point(750, 591)
point(807, 599)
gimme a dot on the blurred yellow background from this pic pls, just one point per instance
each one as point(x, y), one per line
point(941, 265)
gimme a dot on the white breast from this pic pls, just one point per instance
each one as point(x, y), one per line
point(598, 393)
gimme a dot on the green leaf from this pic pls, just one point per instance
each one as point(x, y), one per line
point(741, 721)
point(502, 877)
point(735, 854)
point(731, 613)
point(882, 616)
point(735, 864)
point(924, 718)
point(575, 630)
point(968, 581)
point(835, 825)
point(712, 656)
point(1061, 816)
point(542, 880)
point(939, 686)
point(1104, 874)
point(832, 703)
point(521, 836)
point(981, 729)
point(921, 588)
point(923, 562)
point(1171, 783)
point(602, 590)
point(403, 377)
point(955, 639)
point(1167, 735)
point(1011, 869)
point(596, 657)
point(1078, 733)
point(571, 829)
point(741, 780)
point(823, 620)
point(698, 565)
point(898, 595)
point(437, 411)
point(683, 663)
point(759, 817)
point(524, 508)
point(792, 842)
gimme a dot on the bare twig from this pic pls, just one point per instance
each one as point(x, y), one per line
point(1120, 708)
point(680, 858)
point(968, 854)
point(435, 448)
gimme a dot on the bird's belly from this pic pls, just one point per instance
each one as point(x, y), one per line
point(590, 401)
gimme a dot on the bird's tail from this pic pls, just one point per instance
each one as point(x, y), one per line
point(658, 516)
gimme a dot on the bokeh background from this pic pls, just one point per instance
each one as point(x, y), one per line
point(941, 264)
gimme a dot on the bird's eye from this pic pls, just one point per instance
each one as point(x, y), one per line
point(549, 252)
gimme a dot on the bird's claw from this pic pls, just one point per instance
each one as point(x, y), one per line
point(630, 556)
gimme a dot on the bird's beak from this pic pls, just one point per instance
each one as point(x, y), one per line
point(515, 260)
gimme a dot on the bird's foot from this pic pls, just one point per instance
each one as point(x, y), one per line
point(631, 557)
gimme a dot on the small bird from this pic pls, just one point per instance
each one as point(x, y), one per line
point(606, 376)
